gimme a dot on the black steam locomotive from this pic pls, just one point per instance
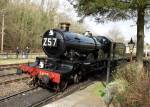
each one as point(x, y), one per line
point(71, 57)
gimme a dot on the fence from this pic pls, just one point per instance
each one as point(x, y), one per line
point(6, 55)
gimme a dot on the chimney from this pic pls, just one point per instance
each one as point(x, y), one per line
point(65, 26)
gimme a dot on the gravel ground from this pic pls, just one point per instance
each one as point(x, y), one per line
point(13, 88)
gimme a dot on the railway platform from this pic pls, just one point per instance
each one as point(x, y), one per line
point(87, 97)
point(15, 61)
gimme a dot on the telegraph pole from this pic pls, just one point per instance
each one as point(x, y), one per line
point(3, 27)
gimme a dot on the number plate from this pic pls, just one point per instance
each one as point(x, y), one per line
point(51, 42)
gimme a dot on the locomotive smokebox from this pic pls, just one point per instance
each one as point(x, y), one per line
point(65, 26)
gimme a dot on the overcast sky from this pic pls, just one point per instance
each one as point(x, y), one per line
point(125, 27)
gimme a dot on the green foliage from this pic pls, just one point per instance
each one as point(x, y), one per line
point(105, 10)
point(109, 8)
point(113, 90)
point(98, 89)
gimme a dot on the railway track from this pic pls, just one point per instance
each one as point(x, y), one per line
point(19, 93)
point(35, 97)
point(4, 75)
point(10, 66)
point(59, 95)
point(9, 78)
point(11, 75)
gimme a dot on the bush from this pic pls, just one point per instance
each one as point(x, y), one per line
point(112, 90)
point(137, 93)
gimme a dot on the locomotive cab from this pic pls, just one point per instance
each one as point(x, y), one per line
point(113, 51)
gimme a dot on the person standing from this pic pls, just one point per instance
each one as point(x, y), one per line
point(27, 51)
point(17, 52)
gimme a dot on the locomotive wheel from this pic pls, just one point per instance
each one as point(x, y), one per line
point(63, 85)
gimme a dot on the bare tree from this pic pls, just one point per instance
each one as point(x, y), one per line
point(27, 21)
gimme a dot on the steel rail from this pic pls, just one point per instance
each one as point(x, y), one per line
point(13, 80)
point(9, 66)
point(11, 74)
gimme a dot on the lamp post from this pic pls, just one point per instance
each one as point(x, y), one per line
point(131, 45)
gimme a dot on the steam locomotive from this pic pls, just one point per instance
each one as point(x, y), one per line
point(71, 57)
